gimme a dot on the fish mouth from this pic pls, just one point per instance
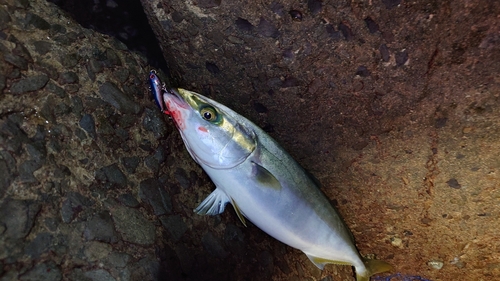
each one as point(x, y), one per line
point(173, 100)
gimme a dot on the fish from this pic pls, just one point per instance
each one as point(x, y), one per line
point(157, 89)
point(263, 183)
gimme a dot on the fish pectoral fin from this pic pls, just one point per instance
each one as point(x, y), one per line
point(238, 212)
point(214, 204)
point(266, 178)
point(321, 262)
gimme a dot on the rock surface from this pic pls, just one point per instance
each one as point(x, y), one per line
point(392, 105)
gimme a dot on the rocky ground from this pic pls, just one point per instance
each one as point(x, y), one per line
point(392, 105)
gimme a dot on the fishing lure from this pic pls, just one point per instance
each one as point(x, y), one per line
point(157, 89)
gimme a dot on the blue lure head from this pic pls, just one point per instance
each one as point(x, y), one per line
point(157, 89)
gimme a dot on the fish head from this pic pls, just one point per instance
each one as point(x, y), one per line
point(214, 135)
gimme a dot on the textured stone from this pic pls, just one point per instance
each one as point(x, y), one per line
point(130, 163)
point(100, 227)
point(41, 244)
point(133, 226)
point(29, 84)
point(73, 205)
point(43, 272)
point(154, 122)
point(99, 275)
point(213, 246)
point(114, 96)
point(175, 225)
point(18, 217)
point(153, 193)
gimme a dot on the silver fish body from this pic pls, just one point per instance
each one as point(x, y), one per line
point(263, 183)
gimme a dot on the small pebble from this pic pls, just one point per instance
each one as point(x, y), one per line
point(435, 264)
point(296, 15)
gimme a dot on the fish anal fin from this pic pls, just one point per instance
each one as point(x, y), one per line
point(238, 212)
point(266, 178)
point(373, 267)
point(321, 262)
point(214, 204)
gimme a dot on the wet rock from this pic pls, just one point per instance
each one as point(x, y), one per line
point(114, 96)
point(259, 107)
point(114, 175)
point(26, 170)
point(130, 163)
point(99, 275)
point(42, 47)
point(37, 151)
point(17, 61)
point(133, 227)
point(212, 68)
point(128, 200)
point(18, 217)
point(296, 15)
point(37, 21)
point(68, 77)
point(152, 163)
point(111, 59)
point(175, 225)
point(267, 29)
point(29, 84)
point(88, 124)
point(243, 24)
point(182, 178)
point(96, 251)
point(154, 194)
point(41, 244)
point(290, 82)
point(277, 8)
point(154, 122)
point(118, 260)
point(48, 271)
point(73, 205)
point(100, 227)
point(213, 246)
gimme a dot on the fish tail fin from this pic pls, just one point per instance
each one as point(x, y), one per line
point(372, 267)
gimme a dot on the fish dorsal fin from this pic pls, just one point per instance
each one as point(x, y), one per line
point(238, 212)
point(321, 262)
point(266, 178)
point(214, 204)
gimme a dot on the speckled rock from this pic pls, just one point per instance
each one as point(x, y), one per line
point(133, 226)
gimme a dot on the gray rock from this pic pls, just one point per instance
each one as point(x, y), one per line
point(88, 124)
point(100, 227)
point(17, 61)
point(41, 244)
point(118, 260)
point(18, 217)
point(37, 151)
point(146, 269)
point(114, 175)
point(129, 200)
point(99, 275)
point(42, 47)
point(185, 257)
point(152, 163)
point(74, 204)
point(153, 193)
point(213, 246)
point(26, 170)
point(4, 17)
point(175, 225)
point(154, 122)
point(5, 177)
point(182, 178)
point(43, 272)
point(114, 96)
point(130, 163)
point(68, 77)
point(97, 251)
point(133, 226)
point(29, 84)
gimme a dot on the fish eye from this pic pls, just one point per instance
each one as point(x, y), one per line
point(208, 113)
